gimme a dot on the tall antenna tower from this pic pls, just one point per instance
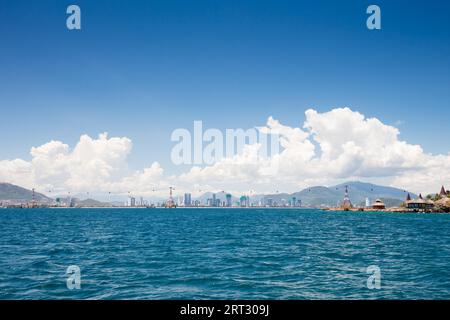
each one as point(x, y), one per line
point(171, 203)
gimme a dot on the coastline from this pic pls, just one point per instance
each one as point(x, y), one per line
point(337, 210)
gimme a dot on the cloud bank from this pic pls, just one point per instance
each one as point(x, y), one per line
point(329, 147)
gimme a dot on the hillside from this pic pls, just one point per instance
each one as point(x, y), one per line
point(358, 192)
point(90, 203)
point(313, 197)
point(10, 192)
point(329, 196)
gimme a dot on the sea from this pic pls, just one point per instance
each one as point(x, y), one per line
point(234, 253)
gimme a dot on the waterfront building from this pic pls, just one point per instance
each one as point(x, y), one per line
point(244, 201)
point(294, 201)
point(419, 204)
point(378, 205)
point(228, 200)
point(187, 200)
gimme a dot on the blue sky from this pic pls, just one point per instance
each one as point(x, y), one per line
point(144, 68)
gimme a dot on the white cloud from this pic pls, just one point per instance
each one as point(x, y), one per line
point(329, 147)
point(434, 172)
point(359, 146)
point(93, 163)
point(348, 146)
point(16, 171)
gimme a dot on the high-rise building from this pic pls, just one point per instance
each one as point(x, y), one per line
point(228, 201)
point(244, 201)
point(187, 200)
point(214, 201)
point(132, 202)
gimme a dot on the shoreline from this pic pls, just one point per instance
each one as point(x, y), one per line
point(338, 210)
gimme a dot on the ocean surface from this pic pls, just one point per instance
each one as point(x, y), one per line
point(222, 254)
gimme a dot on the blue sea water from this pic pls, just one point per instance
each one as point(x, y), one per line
point(222, 254)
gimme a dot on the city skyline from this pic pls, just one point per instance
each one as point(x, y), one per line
point(353, 195)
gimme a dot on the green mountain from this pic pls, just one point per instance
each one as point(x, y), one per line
point(89, 203)
point(312, 197)
point(219, 195)
point(10, 192)
point(358, 192)
point(328, 196)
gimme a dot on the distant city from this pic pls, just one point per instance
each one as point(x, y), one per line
point(365, 197)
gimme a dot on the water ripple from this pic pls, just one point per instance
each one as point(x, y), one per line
point(222, 254)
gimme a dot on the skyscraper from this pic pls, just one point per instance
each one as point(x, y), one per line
point(187, 199)
point(228, 202)
point(244, 201)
